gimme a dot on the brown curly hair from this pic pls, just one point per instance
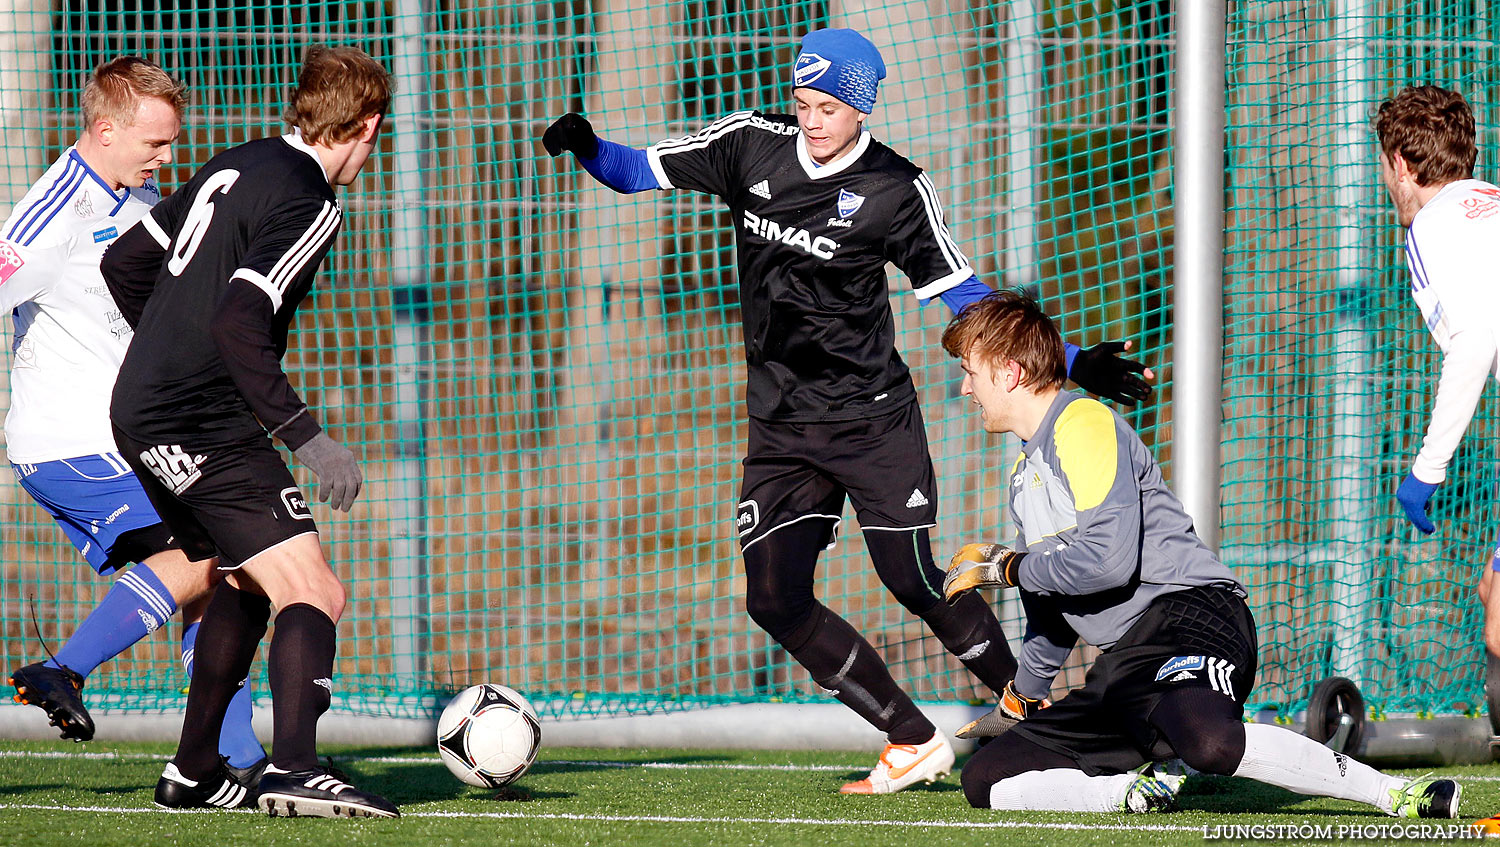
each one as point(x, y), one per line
point(1432, 129)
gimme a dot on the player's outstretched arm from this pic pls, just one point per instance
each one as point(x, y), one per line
point(1100, 370)
point(624, 169)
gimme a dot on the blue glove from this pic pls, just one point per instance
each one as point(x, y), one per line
point(1413, 495)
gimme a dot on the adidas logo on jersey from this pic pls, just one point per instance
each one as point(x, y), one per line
point(916, 499)
point(1218, 676)
point(792, 236)
point(762, 189)
point(176, 469)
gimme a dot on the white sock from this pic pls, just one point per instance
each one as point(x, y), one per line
point(1278, 756)
point(1061, 790)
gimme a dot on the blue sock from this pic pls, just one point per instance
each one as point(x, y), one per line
point(136, 605)
point(237, 739)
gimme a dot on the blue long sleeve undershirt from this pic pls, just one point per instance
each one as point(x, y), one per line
point(624, 169)
point(971, 290)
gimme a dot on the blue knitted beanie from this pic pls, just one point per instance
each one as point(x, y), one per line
point(840, 62)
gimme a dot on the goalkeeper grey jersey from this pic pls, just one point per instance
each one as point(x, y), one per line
point(1103, 533)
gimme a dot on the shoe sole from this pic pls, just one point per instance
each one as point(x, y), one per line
point(71, 730)
point(287, 806)
point(1458, 793)
point(929, 780)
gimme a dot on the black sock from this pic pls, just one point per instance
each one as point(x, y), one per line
point(970, 631)
point(841, 660)
point(233, 625)
point(301, 671)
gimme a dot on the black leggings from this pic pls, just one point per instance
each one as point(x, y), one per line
point(780, 570)
point(781, 567)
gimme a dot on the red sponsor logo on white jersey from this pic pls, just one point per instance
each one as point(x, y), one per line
point(10, 261)
point(1482, 206)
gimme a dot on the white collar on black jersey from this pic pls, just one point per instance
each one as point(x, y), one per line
point(294, 140)
point(817, 171)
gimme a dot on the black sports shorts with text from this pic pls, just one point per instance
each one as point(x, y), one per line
point(802, 471)
point(1200, 637)
point(234, 501)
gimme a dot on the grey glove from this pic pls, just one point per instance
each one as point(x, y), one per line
point(338, 471)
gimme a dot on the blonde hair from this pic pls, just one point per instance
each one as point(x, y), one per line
point(337, 89)
point(115, 89)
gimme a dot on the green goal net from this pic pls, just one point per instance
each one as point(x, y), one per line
point(545, 380)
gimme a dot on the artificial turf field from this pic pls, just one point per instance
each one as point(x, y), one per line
point(100, 794)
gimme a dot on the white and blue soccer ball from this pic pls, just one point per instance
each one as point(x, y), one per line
point(489, 735)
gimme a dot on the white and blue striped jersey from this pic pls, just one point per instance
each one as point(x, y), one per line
point(69, 335)
point(1453, 253)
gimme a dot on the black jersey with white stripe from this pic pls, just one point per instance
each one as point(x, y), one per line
point(812, 247)
point(211, 280)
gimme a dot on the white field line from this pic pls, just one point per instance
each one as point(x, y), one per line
point(651, 819)
point(432, 760)
point(542, 763)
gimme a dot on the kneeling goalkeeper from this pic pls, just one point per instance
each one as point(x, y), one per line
point(1106, 553)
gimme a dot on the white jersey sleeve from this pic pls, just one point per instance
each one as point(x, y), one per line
point(27, 272)
point(1453, 253)
point(70, 336)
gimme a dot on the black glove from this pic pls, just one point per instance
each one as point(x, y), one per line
point(571, 132)
point(1100, 370)
point(338, 472)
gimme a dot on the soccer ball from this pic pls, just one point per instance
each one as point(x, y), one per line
point(488, 736)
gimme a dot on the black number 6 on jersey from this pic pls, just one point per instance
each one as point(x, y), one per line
point(198, 218)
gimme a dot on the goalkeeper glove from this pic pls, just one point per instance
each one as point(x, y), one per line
point(1012, 709)
point(981, 565)
point(1100, 370)
point(1019, 706)
point(573, 132)
point(1413, 496)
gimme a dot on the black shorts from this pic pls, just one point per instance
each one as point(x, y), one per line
point(233, 502)
point(803, 471)
point(1197, 638)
